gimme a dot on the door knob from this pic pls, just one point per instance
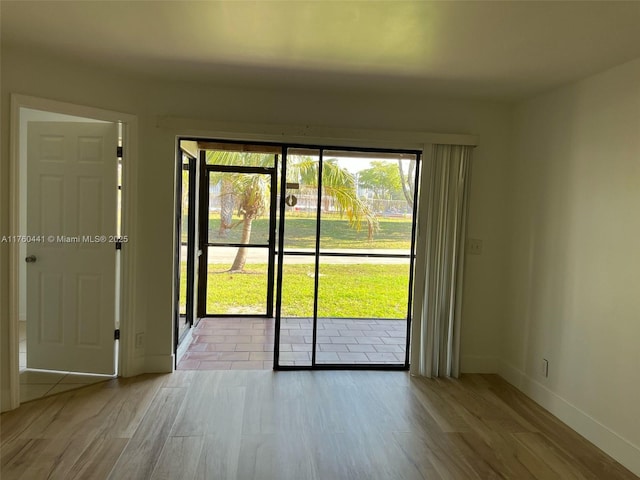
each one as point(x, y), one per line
point(30, 259)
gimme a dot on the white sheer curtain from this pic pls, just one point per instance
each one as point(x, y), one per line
point(442, 218)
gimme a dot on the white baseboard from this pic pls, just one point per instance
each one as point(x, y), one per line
point(621, 449)
point(136, 366)
point(184, 344)
point(159, 363)
point(478, 364)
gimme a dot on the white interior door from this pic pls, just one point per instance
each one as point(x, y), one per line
point(71, 280)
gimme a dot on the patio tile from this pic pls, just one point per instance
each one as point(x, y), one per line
point(249, 347)
point(295, 356)
point(199, 347)
point(382, 357)
point(251, 331)
point(380, 327)
point(262, 339)
point(350, 333)
point(209, 339)
point(394, 340)
point(390, 348)
point(359, 327)
point(374, 333)
point(343, 340)
point(304, 347)
point(237, 339)
point(360, 348)
point(234, 356)
point(319, 339)
point(370, 340)
point(200, 356)
point(220, 347)
point(327, 357)
point(291, 339)
point(188, 365)
point(397, 333)
point(247, 343)
point(328, 332)
point(332, 347)
point(353, 357)
point(225, 331)
point(261, 356)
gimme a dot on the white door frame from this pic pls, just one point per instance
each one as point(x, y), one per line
point(127, 265)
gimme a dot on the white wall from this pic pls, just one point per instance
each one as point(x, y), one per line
point(574, 266)
point(36, 74)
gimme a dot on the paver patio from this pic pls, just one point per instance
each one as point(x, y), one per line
point(247, 343)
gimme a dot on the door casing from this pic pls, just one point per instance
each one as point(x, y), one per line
point(126, 351)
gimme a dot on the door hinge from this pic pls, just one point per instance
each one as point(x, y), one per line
point(119, 152)
point(118, 245)
point(116, 334)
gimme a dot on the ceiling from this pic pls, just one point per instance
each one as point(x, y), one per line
point(498, 50)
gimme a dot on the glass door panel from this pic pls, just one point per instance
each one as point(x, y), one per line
point(184, 231)
point(239, 208)
point(186, 248)
point(298, 227)
point(296, 324)
point(238, 230)
point(362, 310)
point(232, 292)
point(344, 285)
point(301, 201)
point(367, 202)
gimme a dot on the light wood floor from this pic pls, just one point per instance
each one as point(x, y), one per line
point(325, 425)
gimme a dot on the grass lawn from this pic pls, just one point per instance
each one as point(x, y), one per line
point(345, 291)
point(335, 232)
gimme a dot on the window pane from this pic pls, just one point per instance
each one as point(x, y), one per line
point(239, 208)
point(237, 292)
point(367, 202)
point(302, 189)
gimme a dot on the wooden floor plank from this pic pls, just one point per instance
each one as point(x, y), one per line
point(139, 457)
point(295, 425)
point(179, 459)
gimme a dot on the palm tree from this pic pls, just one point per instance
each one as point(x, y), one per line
point(252, 192)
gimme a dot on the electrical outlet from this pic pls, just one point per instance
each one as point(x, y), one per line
point(544, 368)
point(474, 246)
point(139, 340)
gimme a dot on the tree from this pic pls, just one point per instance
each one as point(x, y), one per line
point(383, 179)
point(408, 181)
point(249, 193)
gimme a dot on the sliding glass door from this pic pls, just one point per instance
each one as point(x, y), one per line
point(346, 243)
